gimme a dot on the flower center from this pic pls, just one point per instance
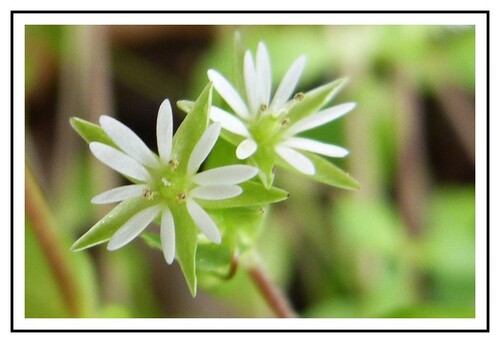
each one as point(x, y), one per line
point(170, 184)
point(268, 130)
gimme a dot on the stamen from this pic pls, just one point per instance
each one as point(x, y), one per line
point(173, 164)
point(299, 96)
point(285, 122)
point(149, 194)
point(181, 197)
point(263, 107)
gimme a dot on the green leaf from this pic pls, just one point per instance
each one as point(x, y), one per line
point(104, 229)
point(192, 128)
point(240, 228)
point(240, 225)
point(186, 233)
point(326, 172)
point(315, 99)
point(254, 194)
point(90, 132)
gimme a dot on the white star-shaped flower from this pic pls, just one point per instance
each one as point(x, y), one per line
point(157, 180)
point(263, 122)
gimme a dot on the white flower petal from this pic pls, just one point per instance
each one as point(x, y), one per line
point(167, 235)
point(296, 159)
point(250, 82)
point(203, 221)
point(228, 93)
point(118, 161)
point(164, 129)
point(227, 175)
point(128, 141)
point(264, 77)
point(203, 148)
point(119, 194)
point(228, 121)
point(317, 147)
point(133, 227)
point(320, 118)
point(246, 149)
point(288, 84)
point(216, 192)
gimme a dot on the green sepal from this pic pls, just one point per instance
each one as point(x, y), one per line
point(234, 139)
point(104, 229)
point(265, 159)
point(192, 128)
point(254, 194)
point(186, 233)
point(185, 105)
point(90, 132)
point(325, 172)
point(315, 100)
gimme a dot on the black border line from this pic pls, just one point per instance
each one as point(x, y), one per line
point(485, 12)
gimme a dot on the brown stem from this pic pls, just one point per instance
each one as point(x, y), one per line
point(43, 226)
point(272, 294)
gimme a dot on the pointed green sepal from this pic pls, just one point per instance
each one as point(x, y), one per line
point(90, 132)
point(192, 128)
point(326, 172)
point(254, 194)
point(104, 229)
point(186, 233)
point(315, 99)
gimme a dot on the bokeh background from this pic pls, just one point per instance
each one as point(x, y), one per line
point(402, 246)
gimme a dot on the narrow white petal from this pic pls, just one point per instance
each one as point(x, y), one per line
point(118, 161)
point(264, 77)
point(246, 149)
point(320, 118)
point(227, 175)
point(250, 82)
point(128, 141)
point(203, 147)
point(228, 121)
point(133, 227)
point(315, 146)
point(167, 235)
point(228, 93)
point(296, 159)
point(203, 221)
point(164, 129)
point(288, 84)
point(119, 194)
point(216, 192)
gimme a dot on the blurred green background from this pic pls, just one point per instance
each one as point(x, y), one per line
point(402, 246)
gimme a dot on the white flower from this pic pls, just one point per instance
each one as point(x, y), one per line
point(159, 183)
point(264, 122)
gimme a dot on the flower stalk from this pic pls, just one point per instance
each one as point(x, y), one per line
point(272, 295)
